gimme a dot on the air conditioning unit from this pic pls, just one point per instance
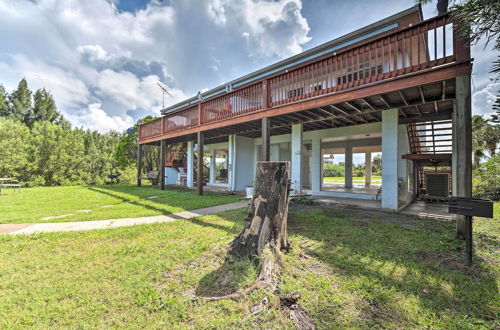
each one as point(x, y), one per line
point(437, 185)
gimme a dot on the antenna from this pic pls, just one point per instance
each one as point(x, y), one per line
point(164, 91)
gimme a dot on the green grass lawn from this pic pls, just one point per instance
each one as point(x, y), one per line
point(352, 269)
point(83, 203)
point(355, 179)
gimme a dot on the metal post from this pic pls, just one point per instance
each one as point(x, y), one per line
point(199, 177)
point(266, 137)
point(139, 164)
point(163, 150)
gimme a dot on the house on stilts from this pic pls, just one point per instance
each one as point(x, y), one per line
point(399, 87)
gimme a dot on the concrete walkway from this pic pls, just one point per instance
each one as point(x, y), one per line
point(31, 228)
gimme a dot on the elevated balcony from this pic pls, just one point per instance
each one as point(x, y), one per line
point(412, 69)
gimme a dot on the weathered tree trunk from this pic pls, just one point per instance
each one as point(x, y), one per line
point(265, 235)
point(266, 221)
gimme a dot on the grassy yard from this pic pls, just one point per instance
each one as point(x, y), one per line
point(352, 269)
point(83, 203)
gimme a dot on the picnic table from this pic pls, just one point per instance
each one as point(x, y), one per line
point(9, 183)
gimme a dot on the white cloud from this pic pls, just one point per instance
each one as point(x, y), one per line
point(94, 118)
point(93, 57)
point(483, 99)
point(275, 27)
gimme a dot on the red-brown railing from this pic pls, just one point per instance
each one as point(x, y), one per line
point(242, 101)
point(151, 129)
point(420, 47)
point(180, 120)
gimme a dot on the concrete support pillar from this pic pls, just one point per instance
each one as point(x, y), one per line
point(199, 172)
point(213, 165)
point(163, 158)
point(462, 145)
point(297, 159)
point(230, 163)
point(274, 152)
point(190, 167)
point(266, 139)
point(256, 158)
point(390, 159)
point(316, 165)
point(368, 169)
point(404, 166)
point(348, 167)
point(139, 165)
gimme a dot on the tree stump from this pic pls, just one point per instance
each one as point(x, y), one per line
point(265, 236)
point(266, 221)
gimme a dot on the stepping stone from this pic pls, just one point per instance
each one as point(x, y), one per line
point(57, 216)
point(83, 211)
point(152, 197)
point(106, 205)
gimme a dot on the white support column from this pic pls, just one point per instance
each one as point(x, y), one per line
point(274, 152)
point(213, 164)
point(348, 167)
point(256, 157)
point(390, 159)
point(316, 165)
point(297, 159)
point(190, 165)
point(231, 163)
point(404, 194)
point(368, 169)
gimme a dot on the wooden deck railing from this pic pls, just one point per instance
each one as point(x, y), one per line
point(426, 45)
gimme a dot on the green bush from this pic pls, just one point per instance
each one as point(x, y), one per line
point(333, 170)
point(486, 183)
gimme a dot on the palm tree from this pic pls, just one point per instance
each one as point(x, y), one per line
point(490, 135)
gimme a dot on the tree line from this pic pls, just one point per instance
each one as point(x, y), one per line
point(38, 146)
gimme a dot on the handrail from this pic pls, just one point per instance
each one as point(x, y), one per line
point(423, 46)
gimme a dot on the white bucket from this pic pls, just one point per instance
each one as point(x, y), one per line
point(249, 191)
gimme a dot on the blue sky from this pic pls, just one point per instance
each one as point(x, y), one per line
point(102, 58)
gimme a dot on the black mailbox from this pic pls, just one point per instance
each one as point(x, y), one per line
point(472, 207)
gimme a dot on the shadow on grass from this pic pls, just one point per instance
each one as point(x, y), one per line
point(227, 279)
point(375, 254)
point(140, 203)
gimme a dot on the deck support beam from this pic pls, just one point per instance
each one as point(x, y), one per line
point(163, 151)
point(390, 194)
point(297, 159)
point(266, 139)
point(190, 167)
point(199, 172)
point(139, 164)
point(462, 146)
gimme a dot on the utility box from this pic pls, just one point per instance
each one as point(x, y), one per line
point(437, 185)
point(472, 207)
